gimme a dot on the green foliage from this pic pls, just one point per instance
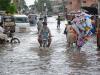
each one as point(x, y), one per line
point(4, 4)
point(62, 18)
point(61, 8)
point(40, 5)
point(11, 8)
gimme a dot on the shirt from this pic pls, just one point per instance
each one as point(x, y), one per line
point(1, 30)
point(45, 30)
point(39, 24)
point(0, 19)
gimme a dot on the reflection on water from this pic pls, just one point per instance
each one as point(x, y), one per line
point(44, 56)
point(44, 53)
point(27, 58)
point(58, 30)
point(44, 59)
point(8, 47)
point(78, 58)
point(77, 61)
point(98, 55)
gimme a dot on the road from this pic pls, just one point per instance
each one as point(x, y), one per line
point(27, 58)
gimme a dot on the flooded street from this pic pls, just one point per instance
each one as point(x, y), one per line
point(27, 58)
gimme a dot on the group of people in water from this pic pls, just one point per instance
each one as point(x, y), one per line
point(78, 30)
point(82, 27)
point(43, 30)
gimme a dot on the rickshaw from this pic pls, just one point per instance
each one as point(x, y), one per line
point(9, 28)
point(32, 19)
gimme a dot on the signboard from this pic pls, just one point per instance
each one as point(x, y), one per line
point(9, 24)
point(9, 21)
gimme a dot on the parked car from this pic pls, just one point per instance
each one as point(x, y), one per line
point(22, 23)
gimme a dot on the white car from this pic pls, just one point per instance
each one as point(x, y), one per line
point(22, 23)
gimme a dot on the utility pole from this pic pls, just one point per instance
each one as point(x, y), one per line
point(45, 12)
point(63, 7)
point(45, 9)
point(64, 11)
point(19, 6)
point(98, 25)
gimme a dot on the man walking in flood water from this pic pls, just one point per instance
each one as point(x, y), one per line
point(45, 31)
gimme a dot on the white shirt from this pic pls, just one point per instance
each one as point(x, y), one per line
point(0, 18)
point(1, 30)
point(39, 24)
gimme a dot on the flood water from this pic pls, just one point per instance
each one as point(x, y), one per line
point(27, 58)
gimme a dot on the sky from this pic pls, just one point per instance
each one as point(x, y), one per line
point(29, 2)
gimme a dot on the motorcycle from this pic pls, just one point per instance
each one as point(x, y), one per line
point(11, 39)
point(9, 29)
point(45, 39)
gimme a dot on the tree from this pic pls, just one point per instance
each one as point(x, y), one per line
point(7, 6)
point(4, 4)
point(61, 8)
point(40, 5)
point(11, 8)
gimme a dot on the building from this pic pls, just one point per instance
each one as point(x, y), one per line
point(89, 3)
point(55, 5)
point(74, 6)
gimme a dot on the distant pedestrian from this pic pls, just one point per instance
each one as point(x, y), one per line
point(40, 24)
point(45, 19)
point(65, 30)
point(45, 31)
point(58, 21)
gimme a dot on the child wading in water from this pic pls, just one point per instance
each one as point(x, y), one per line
point(71, 35)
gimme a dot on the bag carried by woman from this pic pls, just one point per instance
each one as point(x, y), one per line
point(80, 42)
